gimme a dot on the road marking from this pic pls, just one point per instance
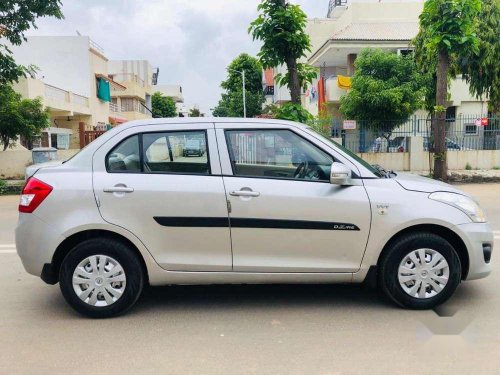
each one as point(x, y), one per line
point(8, 251)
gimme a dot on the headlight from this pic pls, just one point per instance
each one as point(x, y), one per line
point(461, 202)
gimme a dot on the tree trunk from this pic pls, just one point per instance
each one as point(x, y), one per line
point(440, 167)
point(294, 84)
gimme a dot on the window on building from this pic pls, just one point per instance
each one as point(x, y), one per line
point(276, 154)
point(471, 129)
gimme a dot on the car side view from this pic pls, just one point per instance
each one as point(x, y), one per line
point(267, 201)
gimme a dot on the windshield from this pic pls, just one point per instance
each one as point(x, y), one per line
point(373, 169)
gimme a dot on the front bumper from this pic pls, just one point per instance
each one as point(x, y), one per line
point(478, 239)
point(36, 242)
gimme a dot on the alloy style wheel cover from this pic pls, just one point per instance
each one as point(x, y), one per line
point(423, 273)
point(99, 280)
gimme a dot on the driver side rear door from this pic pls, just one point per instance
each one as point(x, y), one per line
point(282, 219)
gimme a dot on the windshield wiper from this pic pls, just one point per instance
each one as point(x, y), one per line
point(384, 172)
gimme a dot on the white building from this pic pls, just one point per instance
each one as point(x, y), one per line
point(350, 26)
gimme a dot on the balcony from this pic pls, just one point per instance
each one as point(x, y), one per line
point(333, 91)
point(335, 4)
point(60, 101)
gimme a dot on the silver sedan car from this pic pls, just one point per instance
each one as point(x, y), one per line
point(268, 202)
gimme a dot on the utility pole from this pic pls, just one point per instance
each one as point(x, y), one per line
point(244, 95)
point(242, 72)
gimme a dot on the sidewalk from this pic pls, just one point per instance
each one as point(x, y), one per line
point(469, 176)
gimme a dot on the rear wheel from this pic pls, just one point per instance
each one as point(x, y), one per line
point(420, 271)
point(101, 278)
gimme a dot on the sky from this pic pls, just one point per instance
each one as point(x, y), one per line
point(191, 41)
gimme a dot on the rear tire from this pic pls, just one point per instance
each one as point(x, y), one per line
point(114, 274)
point(419, 271)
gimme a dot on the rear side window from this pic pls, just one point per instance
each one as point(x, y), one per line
point(176, 152)
point(125, 156)
point(165, 152)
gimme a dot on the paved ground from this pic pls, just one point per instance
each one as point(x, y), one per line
point(247, 329)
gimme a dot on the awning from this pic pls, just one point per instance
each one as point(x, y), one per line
point(117, 120)
point(115, 85)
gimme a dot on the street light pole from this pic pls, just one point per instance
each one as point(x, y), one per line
point(244, 96)
point(242, 72)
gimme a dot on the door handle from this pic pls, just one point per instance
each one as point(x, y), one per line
point(244, 193)
point(119, 189)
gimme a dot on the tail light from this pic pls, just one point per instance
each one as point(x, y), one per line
point(33, 194)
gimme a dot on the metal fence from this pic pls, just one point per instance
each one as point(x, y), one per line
point(466, 132)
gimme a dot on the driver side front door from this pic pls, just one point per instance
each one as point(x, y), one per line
point(284, 218)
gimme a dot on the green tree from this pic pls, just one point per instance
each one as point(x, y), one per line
point(482, 70)
point(386, 90)
point(281, 27)
point(294, 112)
point(16, 17)
point(194, 112)
point(447, 30)
point(231, 102)
point(163, 106)
point(20, 117)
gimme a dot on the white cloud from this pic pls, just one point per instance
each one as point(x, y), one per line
point(191, 41)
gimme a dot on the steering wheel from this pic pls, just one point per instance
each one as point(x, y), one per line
point(315, 173)
point(301, 170)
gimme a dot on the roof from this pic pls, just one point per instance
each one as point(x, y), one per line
point(378, 31)
point(203, 120)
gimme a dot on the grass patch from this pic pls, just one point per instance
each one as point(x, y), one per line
point(8, 189)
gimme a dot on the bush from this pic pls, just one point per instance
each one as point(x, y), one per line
point(3, 187)
point(468, 167)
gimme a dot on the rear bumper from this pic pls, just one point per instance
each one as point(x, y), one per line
point(479, 239)
point(36, 243)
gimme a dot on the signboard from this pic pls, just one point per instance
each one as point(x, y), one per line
point(349, 125)
point(481, 121)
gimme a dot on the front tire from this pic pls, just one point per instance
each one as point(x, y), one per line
point(101, 278)
point(420, 271)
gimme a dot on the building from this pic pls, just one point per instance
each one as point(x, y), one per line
point(350, 26)
point(133, 103)
point(175, 92)
point(86, 93)
point(72, 80)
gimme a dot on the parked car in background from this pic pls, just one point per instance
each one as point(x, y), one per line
point(272, 202)
point(450, 145)
point(194, 147)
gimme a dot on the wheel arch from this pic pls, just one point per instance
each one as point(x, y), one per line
point(70, 242)
point(449, 235)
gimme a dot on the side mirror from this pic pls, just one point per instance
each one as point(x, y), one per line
point(339, 174)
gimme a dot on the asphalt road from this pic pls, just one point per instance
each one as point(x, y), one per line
point(268, 329)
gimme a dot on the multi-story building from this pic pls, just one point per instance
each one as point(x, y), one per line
point(72, 80)
point(133, 103)
point(84, 91)
point(352, 25)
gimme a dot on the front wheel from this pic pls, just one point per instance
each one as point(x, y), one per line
point(420, 271)
point(101, 278)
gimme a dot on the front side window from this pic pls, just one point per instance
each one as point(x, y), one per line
point(276, 154)
point(176, 152)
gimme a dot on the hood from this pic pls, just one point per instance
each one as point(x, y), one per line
point(32, 169)
point(423, 184)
